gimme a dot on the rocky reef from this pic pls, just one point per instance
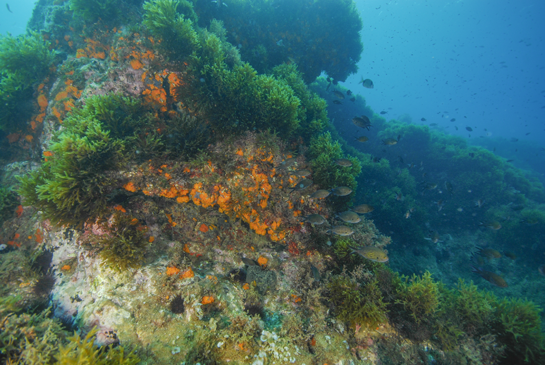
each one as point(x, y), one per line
point(170, 197)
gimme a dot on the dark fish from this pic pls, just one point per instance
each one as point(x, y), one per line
point(248, 262)
point(343, 162)
point(363, 209)
point(315, 219)
point(315, 273)
point(338, 94)
point(348, 92)
point(383, 112)
point(362, 122)
point(302, 173)
point(341, 191)
point(509, 160)
point(352, 99)
point(288, 163)
point(367, 83)
point(471, 154)
point(453, 120)
point(423, 119)
point(494, 225)
point(456, 127)
point(433, 124)
point(489, 253)
point(448, 186)
point(469, 129)
point(349, 217)
point(390, 141)
point(514, 139)
point(303, 184)
point(372, 253)
point(491, 277)
point(429, 186)
point(337, 102)
point(7, 6)
point(509, 254)
point(320, 194)
point(435, 237)
point(362, 139)
point(341, 230)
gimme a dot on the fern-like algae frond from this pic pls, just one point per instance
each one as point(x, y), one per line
point(174, 29)
point(24, 60)
point(357, 304)
point(420, 296)
point(72, 186)
point(27, 56)
point(519, 325)
point(84, 351)
point(124, 248)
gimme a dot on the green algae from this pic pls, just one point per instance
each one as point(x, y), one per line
point(24, 61)
point(125, 246)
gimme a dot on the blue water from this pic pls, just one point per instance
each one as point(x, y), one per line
point(480, 62)
point(15, 22)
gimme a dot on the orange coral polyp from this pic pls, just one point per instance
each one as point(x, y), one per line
point(130, 187)
point(188, 274)
point(172, 271)
point(42, 102)
point(262, 261)
point(207, 300)
point(182, 199)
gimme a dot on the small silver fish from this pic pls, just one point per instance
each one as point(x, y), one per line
point(363, 209)
point(341, 191)
point(341, 230)
point(343, 162)
point(320, 194)
point(349, 217)
point(315, 219)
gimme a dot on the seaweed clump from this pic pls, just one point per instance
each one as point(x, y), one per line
point(519, 328)
point(84, 351)
point(73, 183)
point(356, 301)
point(8, 203)
point(27, 337)
point(93, 10)
point(125, 246)
point(420, 296)
point(24, 60)
point(230, 95)
point(323, 153)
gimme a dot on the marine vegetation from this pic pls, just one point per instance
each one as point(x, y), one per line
point(186, 193)
point(24, 60)
point(358, 302)
point(84, 351)
point(420, 296)
point(519, 327)
point(124, 245)
point(93, 10)
point(318, 36)
point(8, 203)
point(227, 94)
point(70, 185)
point(324, 151)
point(172, 22)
